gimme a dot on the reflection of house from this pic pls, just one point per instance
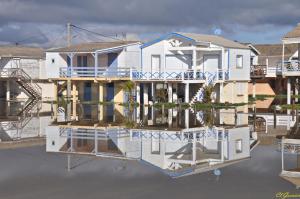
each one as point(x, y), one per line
point(290, 146)
point(176, 153)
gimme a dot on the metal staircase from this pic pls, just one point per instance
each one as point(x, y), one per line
point(25, 81)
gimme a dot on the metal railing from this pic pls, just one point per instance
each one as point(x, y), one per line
point(291, 66)
point(93, 72)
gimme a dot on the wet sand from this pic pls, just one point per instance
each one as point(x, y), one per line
point(32, 173)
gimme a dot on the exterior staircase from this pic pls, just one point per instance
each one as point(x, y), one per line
point(210, 80)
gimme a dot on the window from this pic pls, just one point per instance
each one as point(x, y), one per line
point(53, 143)
point(81, 61)
point(239, 61)
point(52, 60)
point(251, 61)
point(238, 146)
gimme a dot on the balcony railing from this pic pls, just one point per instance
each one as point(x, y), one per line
point(291, 67)
point(94, 72)
point(142, 75)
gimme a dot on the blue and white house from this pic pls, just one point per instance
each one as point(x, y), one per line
point(188, 62)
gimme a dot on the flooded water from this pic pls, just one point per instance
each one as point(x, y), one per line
point(175, 142)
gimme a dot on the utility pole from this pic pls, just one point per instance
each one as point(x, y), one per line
point(69, 34)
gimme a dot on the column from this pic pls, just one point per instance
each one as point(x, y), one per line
point(153, 89)
point(74, 100)
point(96, 64)
point(68, 99)
point(194, 62)
point(146, 97)
point(282, 61)
point(170, 93)
point(221, 93)
point(187, 118)
point(187, 93)
point(138, 93)
point(175, 95)
point(101, 99)
point(288, 90)
point(55, 98)
point(8, 97)
point(254, 89)
point(296, 89)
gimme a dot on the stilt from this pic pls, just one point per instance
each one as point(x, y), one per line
point(153, 92)
point(101, 99)
point(187, 119)
point(175, 94)
point(55, 100)
point(8, 97)
point(74, 100)
point(146, 97)
point(254, 89)
point(187, 93)
point(68, 100)
point(170, 93)
point(296, 89)
point(221, 93)
point(288, 90)
point(138, 93)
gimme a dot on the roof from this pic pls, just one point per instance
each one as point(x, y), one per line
point(21, 52)
point(214, 39)
point(293, 33)
point(91, 47)
point(250, 45)
point(274, 52)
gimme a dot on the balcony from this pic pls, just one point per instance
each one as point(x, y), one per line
point(262, 71)
point(291, 68)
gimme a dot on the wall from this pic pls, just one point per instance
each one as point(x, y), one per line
point(240, 133)
point(52, 69)
point(231, 92)
point(239, 73)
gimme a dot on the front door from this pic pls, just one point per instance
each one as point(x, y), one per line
point(155, 63)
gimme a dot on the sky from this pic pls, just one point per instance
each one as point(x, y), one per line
point(43, 22)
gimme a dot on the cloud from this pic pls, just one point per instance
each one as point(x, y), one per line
point(155, 16)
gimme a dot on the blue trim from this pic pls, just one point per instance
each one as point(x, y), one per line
point(166, 36)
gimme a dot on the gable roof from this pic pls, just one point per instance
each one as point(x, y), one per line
point(214, 39)
point(200, 38)
point(250, 45)
point(293, 33)
point(274, 52)
point(91, 47)
point(21, 52)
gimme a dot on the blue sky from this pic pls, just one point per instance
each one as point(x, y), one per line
point(42, 22)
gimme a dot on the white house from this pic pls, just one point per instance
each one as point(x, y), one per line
point(188, 61)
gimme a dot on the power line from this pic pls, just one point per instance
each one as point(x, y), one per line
point(96, 33)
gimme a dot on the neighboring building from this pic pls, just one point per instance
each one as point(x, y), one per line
point(22, 73)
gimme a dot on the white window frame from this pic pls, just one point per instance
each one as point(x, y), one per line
point(239, 146)
point(237, 61)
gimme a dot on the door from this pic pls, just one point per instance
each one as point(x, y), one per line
point(112, 59)
point(211, 63)
point(155, 63)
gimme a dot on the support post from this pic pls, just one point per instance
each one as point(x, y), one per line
point(170, 93)
point(55, 100)
point(194, 62)
point(7, 90)
point(187, 93)
point(146, 97)
point(175, 94)
point(96, 64)
point(288, 90)
point(153, 92)
point(221, 93)
point(138, 93)
point(101, 99)
point(282, 152)
point(68, 99)
point(282, 59)
point(296, 89)
point(74, 100)
point(254, 89)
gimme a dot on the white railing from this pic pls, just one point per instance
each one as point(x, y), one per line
point(180, 75)
point(93, 72)
point(291, 66)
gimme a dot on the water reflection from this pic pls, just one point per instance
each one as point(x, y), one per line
point(178, 142)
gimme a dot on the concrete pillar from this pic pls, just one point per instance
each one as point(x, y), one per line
point(101, 99)
point(74, 100)
point(175, 95)
point(187, 93)
point(170, 93)
point(138, 93)
point(68, 99)
point(153, 93)
point(254, 89)
point(296, 89)
point(170, 117)
point(146, 97)
point(7, 90)
point(187, 118)
point(55, 100)
point(288, 90)
point(221, 93)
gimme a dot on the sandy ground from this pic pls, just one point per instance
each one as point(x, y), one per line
point(32, 173)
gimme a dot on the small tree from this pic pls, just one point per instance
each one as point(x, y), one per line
point(128, 87)
point(208, 90)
